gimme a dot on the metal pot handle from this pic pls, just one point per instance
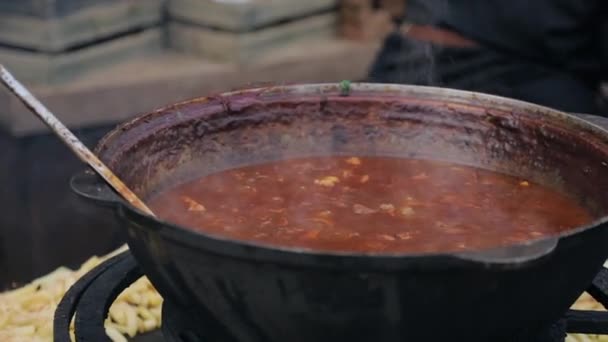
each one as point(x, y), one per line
point(90, 186)
point(514, 254)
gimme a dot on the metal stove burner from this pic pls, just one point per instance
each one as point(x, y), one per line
point(91, 297)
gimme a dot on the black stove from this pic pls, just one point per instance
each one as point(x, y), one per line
point(93, 294)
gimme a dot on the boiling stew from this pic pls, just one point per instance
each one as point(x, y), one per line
point(369, 204)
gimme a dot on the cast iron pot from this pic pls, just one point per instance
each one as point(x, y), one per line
point(236, 291)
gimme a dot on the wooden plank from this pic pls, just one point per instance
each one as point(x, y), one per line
point(48, 8)
point(36, 8)
point(87, 25)
point(35, 67)
point(244, 15)
point(244, 48)
point(116, 93)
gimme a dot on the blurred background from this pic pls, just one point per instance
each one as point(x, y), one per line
point(95, 63)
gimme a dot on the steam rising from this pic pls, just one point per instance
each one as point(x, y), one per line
point(369, 204)
point(407, 61)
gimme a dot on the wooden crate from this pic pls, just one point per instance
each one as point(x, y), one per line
point(52, 41)
point(243, 32)
point(244, 16)
point(48, 8)
point(50, 68)
point(368, 19)
point(248, 47)
point(54, 26)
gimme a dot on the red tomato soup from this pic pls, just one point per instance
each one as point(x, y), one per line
point(373, 204)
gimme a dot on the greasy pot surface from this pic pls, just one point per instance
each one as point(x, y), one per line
point(266, 294)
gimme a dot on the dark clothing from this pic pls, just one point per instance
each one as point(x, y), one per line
point(549, 52)
point(564, 34)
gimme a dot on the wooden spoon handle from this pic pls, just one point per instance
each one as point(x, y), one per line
point(70, 139)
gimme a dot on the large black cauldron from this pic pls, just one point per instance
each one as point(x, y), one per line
point(248, 292)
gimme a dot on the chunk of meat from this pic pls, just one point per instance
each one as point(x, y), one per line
point(420, 176)
point(353, 161)
point(387, 208)
point(328, 181)
point(404, 236)
point(407, 211)
point(193, 205)
point(311, 234)
point(324, 213)
point(386, 237)
point(363, 210)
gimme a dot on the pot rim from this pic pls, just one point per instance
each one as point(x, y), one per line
point(508, 256)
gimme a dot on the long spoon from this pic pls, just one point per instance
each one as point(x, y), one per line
point(70, 139)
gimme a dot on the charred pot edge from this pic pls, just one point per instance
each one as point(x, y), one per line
point(442, 97)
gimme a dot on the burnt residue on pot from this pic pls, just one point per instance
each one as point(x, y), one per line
point(198, 137)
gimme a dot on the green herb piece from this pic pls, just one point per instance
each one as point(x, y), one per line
point(345, 88)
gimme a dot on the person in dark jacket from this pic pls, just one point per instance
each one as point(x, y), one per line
point(549, 52)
